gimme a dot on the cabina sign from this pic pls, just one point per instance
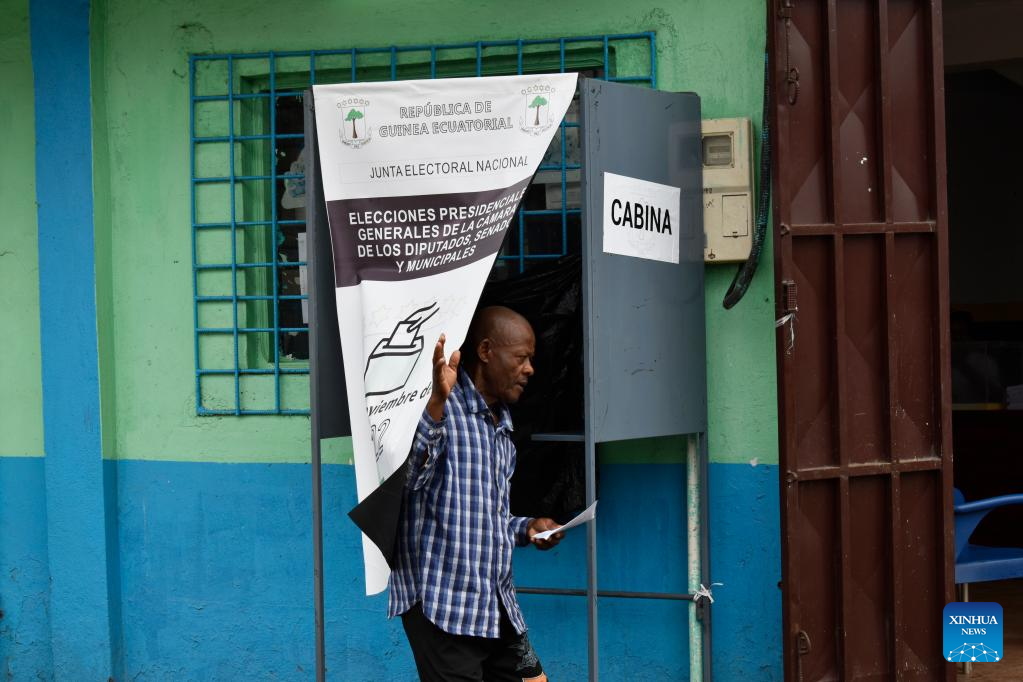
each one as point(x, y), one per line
point(641, 218)
point(421, 179)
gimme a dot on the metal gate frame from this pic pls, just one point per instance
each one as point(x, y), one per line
point(864, 380)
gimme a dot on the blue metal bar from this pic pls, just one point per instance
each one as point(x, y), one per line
point(382, 50)
point(249, 330)
point(242, 266)
point(226, 299)
point(265, 372)
point(246, 138)
point(479, 58)
point(522, 239)
point(532, 256)
point(240, 223)
point(591, 39)
point(518, 55)
point(564, 172)
point(554, 166)
point(266, 55)
point(312, 68)
point(548, 211)
point(499, 43)
point(353, 64)
point(195, 259)
point(247, 223)
point(629, 79)
point(234, 236)
point(273, 231)
point(252, 55)
point(213, 180)
point(394, 63)
point(653, 59)
point(214, 57)
point(237, 95)
point(607, 67)
point(206, 412)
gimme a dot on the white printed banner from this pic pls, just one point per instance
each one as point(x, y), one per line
point(421, 179)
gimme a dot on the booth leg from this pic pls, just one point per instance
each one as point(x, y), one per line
point(321, 667)
point(694, 543)
point(591, 561)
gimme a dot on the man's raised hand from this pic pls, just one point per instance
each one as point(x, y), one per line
point(445, 374)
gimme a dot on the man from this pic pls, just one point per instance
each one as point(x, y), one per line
point(453, 582)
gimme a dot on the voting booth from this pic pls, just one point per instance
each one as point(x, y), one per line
point(640, 316)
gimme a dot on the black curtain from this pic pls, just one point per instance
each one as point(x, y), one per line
point(549, 478)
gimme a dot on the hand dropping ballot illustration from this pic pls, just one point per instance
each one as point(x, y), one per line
point(421, 181)
point(391, 362)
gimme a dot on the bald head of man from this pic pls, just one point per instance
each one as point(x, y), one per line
point(499, 354)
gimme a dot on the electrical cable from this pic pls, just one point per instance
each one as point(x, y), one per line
point(744, 275)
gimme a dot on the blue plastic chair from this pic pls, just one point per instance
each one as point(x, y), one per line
point(977, 563)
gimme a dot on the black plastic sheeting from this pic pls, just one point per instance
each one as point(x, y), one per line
point(549, 478)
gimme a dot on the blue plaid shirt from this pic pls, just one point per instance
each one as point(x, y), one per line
point(457, 534)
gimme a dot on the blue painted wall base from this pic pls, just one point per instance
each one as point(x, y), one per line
point(216, 576)
point(745, 553)
point(25, 652)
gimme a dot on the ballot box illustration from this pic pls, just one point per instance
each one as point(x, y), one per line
point(392, 360)
point(622, 320)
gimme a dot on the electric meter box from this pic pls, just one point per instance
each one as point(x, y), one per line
point(728, 211)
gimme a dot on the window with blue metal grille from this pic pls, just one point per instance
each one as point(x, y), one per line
point(247, 178)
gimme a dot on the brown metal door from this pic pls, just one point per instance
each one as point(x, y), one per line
point(864, 382)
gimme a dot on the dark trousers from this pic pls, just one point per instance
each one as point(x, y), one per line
point(443, 657)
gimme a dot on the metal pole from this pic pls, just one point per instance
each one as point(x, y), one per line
point(591, 555)
point(313, 237)
point(614, 594)
point(590, 232)
point(321, 667)
point(708, 673)
point(693, 526)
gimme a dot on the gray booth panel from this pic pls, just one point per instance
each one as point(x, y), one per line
point(645, 332)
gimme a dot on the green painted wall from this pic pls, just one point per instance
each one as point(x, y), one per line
point(140, 82)
point(21, 391)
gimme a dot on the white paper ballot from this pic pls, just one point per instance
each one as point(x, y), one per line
point(587, 515)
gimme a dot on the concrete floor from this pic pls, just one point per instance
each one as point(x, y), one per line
point(1009, 594)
